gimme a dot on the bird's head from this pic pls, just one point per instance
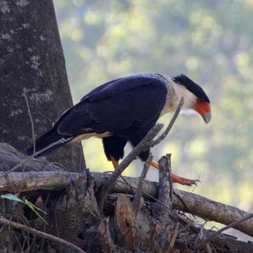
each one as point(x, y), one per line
point(194, 96)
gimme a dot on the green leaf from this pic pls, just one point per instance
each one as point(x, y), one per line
point(35, 209)
point(12, 197)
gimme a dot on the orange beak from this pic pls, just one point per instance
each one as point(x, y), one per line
point(204, 109)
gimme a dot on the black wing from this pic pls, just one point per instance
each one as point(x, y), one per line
point(120, 106)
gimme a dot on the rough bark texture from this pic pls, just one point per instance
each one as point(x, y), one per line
point(71, 203)
point(39, 174)
point(32, 61)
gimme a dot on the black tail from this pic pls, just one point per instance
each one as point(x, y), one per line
point(47, 143)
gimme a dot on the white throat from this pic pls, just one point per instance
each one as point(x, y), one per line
point(175, 93)
point(182, 92)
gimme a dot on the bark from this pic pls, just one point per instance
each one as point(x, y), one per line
point(32, 62)
point(71, 202)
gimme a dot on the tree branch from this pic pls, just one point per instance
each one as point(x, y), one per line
point(170, 125)
point(40, 234)
point(138, 194)
point(231, 225)
point(194, 204)
point(165, 187)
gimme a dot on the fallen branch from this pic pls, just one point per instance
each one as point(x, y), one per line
point(165, 187)
point(40, 234)
point(195, 204)
point(231, 225)
point(138, 194)
point(173, 239)
point(165, 225)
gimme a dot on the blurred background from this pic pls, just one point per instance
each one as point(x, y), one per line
point(211, 41)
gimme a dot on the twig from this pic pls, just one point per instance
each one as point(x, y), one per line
point(173, 239)
point(22, 162)
point(231, 225)
point(200, 236)
point(130, 186)
point(138, 194)
point(31, 118)
point(208, 248)
point(40, 234)
point(143, 145)
point(106, 238)
point(169, 127)
point(165, 186)
point(144, 193)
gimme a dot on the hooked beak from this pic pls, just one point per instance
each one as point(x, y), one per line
point(207, 117)
point(204, 109)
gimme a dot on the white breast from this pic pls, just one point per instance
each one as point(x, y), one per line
point(88, 135)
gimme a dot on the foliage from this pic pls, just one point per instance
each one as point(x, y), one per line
point(211, 41)
point(24, 201)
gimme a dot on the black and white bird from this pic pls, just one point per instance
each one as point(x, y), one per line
point(124, 110)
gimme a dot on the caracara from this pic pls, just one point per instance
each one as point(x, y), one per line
point(124, 110)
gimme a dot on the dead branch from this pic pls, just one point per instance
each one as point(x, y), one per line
point(40, 234)
point(231, 225)
point(170, 125)
point(126, 221)
point(165, 187)
point(29, 158)
point(173, 239)
point(196, 204)
point(104, 231)
point(138, 194)
point(30, 118)
point(165, 225)
point(49, 176)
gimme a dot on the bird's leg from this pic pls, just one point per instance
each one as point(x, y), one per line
point(115, 162)
point(175, 178)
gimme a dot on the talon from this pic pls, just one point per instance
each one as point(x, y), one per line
point(184, 181)
point(177, 179)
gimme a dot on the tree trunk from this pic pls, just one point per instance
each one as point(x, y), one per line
point(32, 63)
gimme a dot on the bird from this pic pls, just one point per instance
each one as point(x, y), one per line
point(122, 111)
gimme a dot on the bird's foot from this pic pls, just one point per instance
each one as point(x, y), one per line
point(183, 181)
point(177, 179)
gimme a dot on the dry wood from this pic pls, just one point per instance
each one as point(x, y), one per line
point(231, 225)
point(170, 125)
point(173, 239)
point(165, 212)
point(104, 231)
point(138, 194)
point(165, 187)
point(40, 234)
point(195, 204)
point(126, 221)
point(58, 179)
